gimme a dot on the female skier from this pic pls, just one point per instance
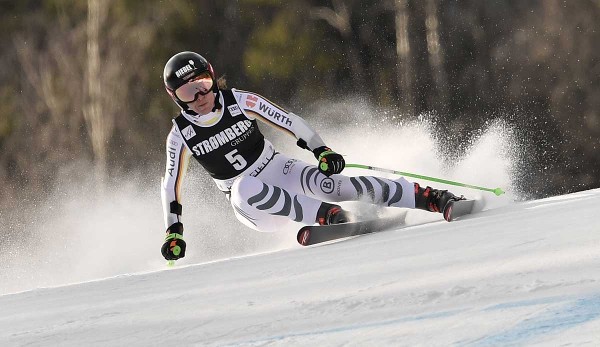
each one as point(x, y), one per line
point(218, 127)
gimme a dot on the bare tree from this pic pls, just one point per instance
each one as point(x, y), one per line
point(76, 85)
point(51, 102)
point(339, 18)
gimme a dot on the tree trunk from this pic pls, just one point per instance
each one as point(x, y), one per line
point(435, 54)
point(403, 53)
point(98, 127)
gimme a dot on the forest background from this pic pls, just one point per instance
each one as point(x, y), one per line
point(81, 81)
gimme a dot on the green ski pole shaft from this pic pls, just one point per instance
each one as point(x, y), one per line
point(496, 191)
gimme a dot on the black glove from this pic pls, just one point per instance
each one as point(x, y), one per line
point(174, 246)
point(329, 162)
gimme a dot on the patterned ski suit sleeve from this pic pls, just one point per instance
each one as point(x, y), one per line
point(178, 157)
point(256, 106)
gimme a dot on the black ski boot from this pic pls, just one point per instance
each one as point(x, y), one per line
point(433, 200)
point(329, 214)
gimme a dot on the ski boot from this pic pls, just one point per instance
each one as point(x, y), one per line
point(329, 214)
point(434, 200)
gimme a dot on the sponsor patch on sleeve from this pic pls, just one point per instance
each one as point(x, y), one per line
point(251, 101)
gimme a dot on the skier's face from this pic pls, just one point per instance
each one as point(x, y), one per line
point(204, 104)
point(198, 94)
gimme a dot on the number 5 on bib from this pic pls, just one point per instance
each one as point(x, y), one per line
point(236, 160)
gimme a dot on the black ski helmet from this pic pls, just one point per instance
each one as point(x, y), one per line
point(182, 67)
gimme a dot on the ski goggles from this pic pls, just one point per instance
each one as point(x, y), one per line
point(200, 85)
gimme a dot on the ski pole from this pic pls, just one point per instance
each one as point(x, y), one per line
point(496, 191)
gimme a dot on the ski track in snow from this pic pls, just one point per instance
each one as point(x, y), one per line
point(569, 313)
point(522, 274)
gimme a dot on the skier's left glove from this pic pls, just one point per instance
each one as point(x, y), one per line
point(329, 162)
point(174, 246)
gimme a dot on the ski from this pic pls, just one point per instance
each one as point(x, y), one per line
point(456, 209)
point(314, 234)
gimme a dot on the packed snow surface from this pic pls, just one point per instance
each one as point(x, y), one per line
point(526, 273)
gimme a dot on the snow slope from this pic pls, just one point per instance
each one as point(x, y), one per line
point(523, 274)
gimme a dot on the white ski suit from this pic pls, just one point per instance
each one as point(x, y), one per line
point(265, 188)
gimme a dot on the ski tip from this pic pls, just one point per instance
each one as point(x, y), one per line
point(170, 263)
point(303, 236)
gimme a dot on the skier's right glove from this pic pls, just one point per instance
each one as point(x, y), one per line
point(174, 246)
point(329, 162)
